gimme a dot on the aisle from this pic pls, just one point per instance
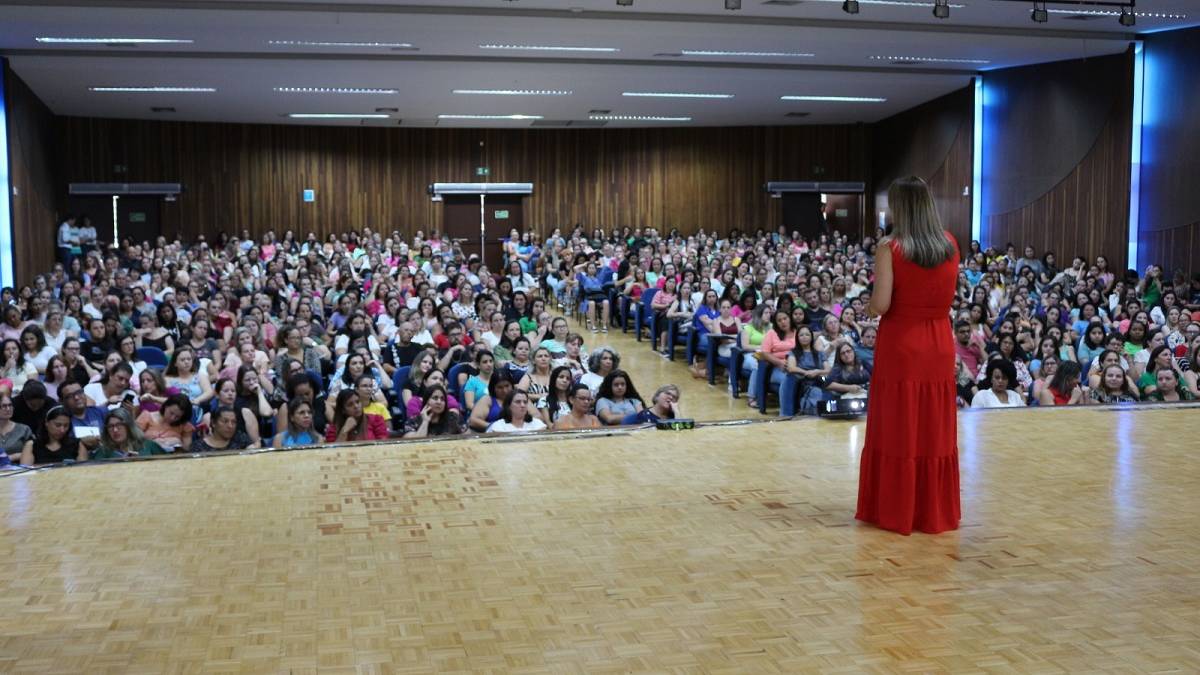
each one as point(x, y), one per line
point(650, 371)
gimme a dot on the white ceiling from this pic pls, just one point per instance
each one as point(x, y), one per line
point(231, 53)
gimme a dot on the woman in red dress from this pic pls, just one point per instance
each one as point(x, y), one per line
point(908, 478)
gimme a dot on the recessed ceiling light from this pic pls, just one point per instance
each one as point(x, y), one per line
point(639, 118)
point(154, 90)
point(112, 41)
point(549, 48)
point(844, 99)
point(516, 92)
point(668, 94)
point(334, 90)
point(718, 52)
point(319, 43)
point(928, 59)
point(337, 116)
point(489, 117)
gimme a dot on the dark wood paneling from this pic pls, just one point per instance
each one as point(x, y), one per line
point(33, 153)
point(251, 176)
point(1170, 202)
point(1087, 213)
point(933, 141)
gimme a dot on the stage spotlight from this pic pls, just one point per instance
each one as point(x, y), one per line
point(733, 4)
point(1127, 17)
point(1039, 14)
point(941, 9)
point(850, 6)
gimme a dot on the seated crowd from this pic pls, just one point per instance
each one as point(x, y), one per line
point(141, 349)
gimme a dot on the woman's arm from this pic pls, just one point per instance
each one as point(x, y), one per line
point(27, 453)
point(206, 390)
point(251, 422)
point(479, 412)
point(881, 298)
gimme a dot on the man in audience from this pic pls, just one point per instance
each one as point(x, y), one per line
point(86, 420)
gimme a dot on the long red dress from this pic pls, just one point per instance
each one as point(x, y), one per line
point(908, 477)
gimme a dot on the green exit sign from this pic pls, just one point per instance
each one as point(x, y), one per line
point(502, 215)
point(482, 171)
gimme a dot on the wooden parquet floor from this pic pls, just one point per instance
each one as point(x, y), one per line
point(722, 550)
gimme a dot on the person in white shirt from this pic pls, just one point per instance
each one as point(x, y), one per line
point(86, 233)
point(68, 239)
point(1002, 374)
point(516, 417)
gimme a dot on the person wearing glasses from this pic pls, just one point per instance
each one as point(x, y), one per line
point(13, 435)
point(121, 437)
point(86, 420)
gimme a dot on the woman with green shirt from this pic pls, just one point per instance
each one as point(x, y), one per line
point(120, 437)
point(751, 337)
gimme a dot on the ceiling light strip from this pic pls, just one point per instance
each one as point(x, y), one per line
point(318, 43)
point(111, 41)
point(717, 52)
point(489, 117)
point(639, 118)
point(337, 116)
point(516, 92)
point(836, 99)
point(549, 48)
point(929, 59)
point(334, 90)
point(667, 94)
point(154, 90)
point(1113, 12)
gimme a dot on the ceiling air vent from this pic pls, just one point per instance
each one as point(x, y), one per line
point(797, 114)
point(1083, 17)
point(669, 55)
point(599, 112)
point(387, 110)
point(905, 62)
point(782, 3)
point(162, 109)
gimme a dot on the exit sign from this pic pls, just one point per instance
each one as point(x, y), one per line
point(482, 171)
point(502, 215)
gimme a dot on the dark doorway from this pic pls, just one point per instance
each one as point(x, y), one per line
point(802, 213)
point(138, 216)
point(501, 213)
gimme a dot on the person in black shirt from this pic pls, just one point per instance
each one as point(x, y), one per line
point(55, 442)
point(77, 368)
point(400, 352)
point(98, 344)
point(30, 406)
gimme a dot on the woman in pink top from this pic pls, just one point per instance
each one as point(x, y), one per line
point(776, 345)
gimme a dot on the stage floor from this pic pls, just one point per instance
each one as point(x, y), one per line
point(721, 550)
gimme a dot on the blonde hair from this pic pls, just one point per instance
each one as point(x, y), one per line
point(918, 229)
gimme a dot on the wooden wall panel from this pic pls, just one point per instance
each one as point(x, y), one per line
point(1087, 212)
point(1175, 248)
point(251, 176)
point(933, 141)
point(33, 155)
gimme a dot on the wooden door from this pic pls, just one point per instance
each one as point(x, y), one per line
point(461, 221)
point(502, 214)
point(844, 213)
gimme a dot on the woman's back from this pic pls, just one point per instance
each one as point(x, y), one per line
point(920, 292)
